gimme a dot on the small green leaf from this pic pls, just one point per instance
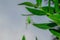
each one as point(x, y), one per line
point(28, 20)
point(45, 26)
point(36, 12)
point(55, 32)
point(27, 4)
point(39, 2)
point(23, 38)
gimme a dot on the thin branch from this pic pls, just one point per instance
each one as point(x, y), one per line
point(27, 14)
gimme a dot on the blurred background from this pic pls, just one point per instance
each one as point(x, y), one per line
point(12, 23)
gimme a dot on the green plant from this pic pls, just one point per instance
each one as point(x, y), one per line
point(23, 38)
point(52, 12)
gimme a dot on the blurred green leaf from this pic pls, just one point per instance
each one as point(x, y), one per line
point(55, 18)
point(45, 26)
point(53, 1)
point(56, 5)
point(28, 19)
point(59, 8)
point(55, 32)
point(47, 9)
point(39, 2)
point(23, 38)
point(27, 4)
point(36, 12)
point(58, 1)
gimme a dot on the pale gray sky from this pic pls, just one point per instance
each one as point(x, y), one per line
point(12, 24)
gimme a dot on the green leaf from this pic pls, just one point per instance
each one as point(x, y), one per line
point(55, 18)
point(28, 20)
point(58, 1)
point(36, 12)
point(53, 1)
point(56, 5)
point(45, 26)
point(47, 9)
point(55, 32)
point(23, 38)
point(39, 2)
point(27, 4)
point(59, 8)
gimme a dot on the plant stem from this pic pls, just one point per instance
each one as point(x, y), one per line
point(57, 6)
point(49, 5)
point(26, 25)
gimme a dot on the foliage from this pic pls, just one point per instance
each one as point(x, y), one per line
point(51, 12)
point(23, 38)
point(36, 38)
